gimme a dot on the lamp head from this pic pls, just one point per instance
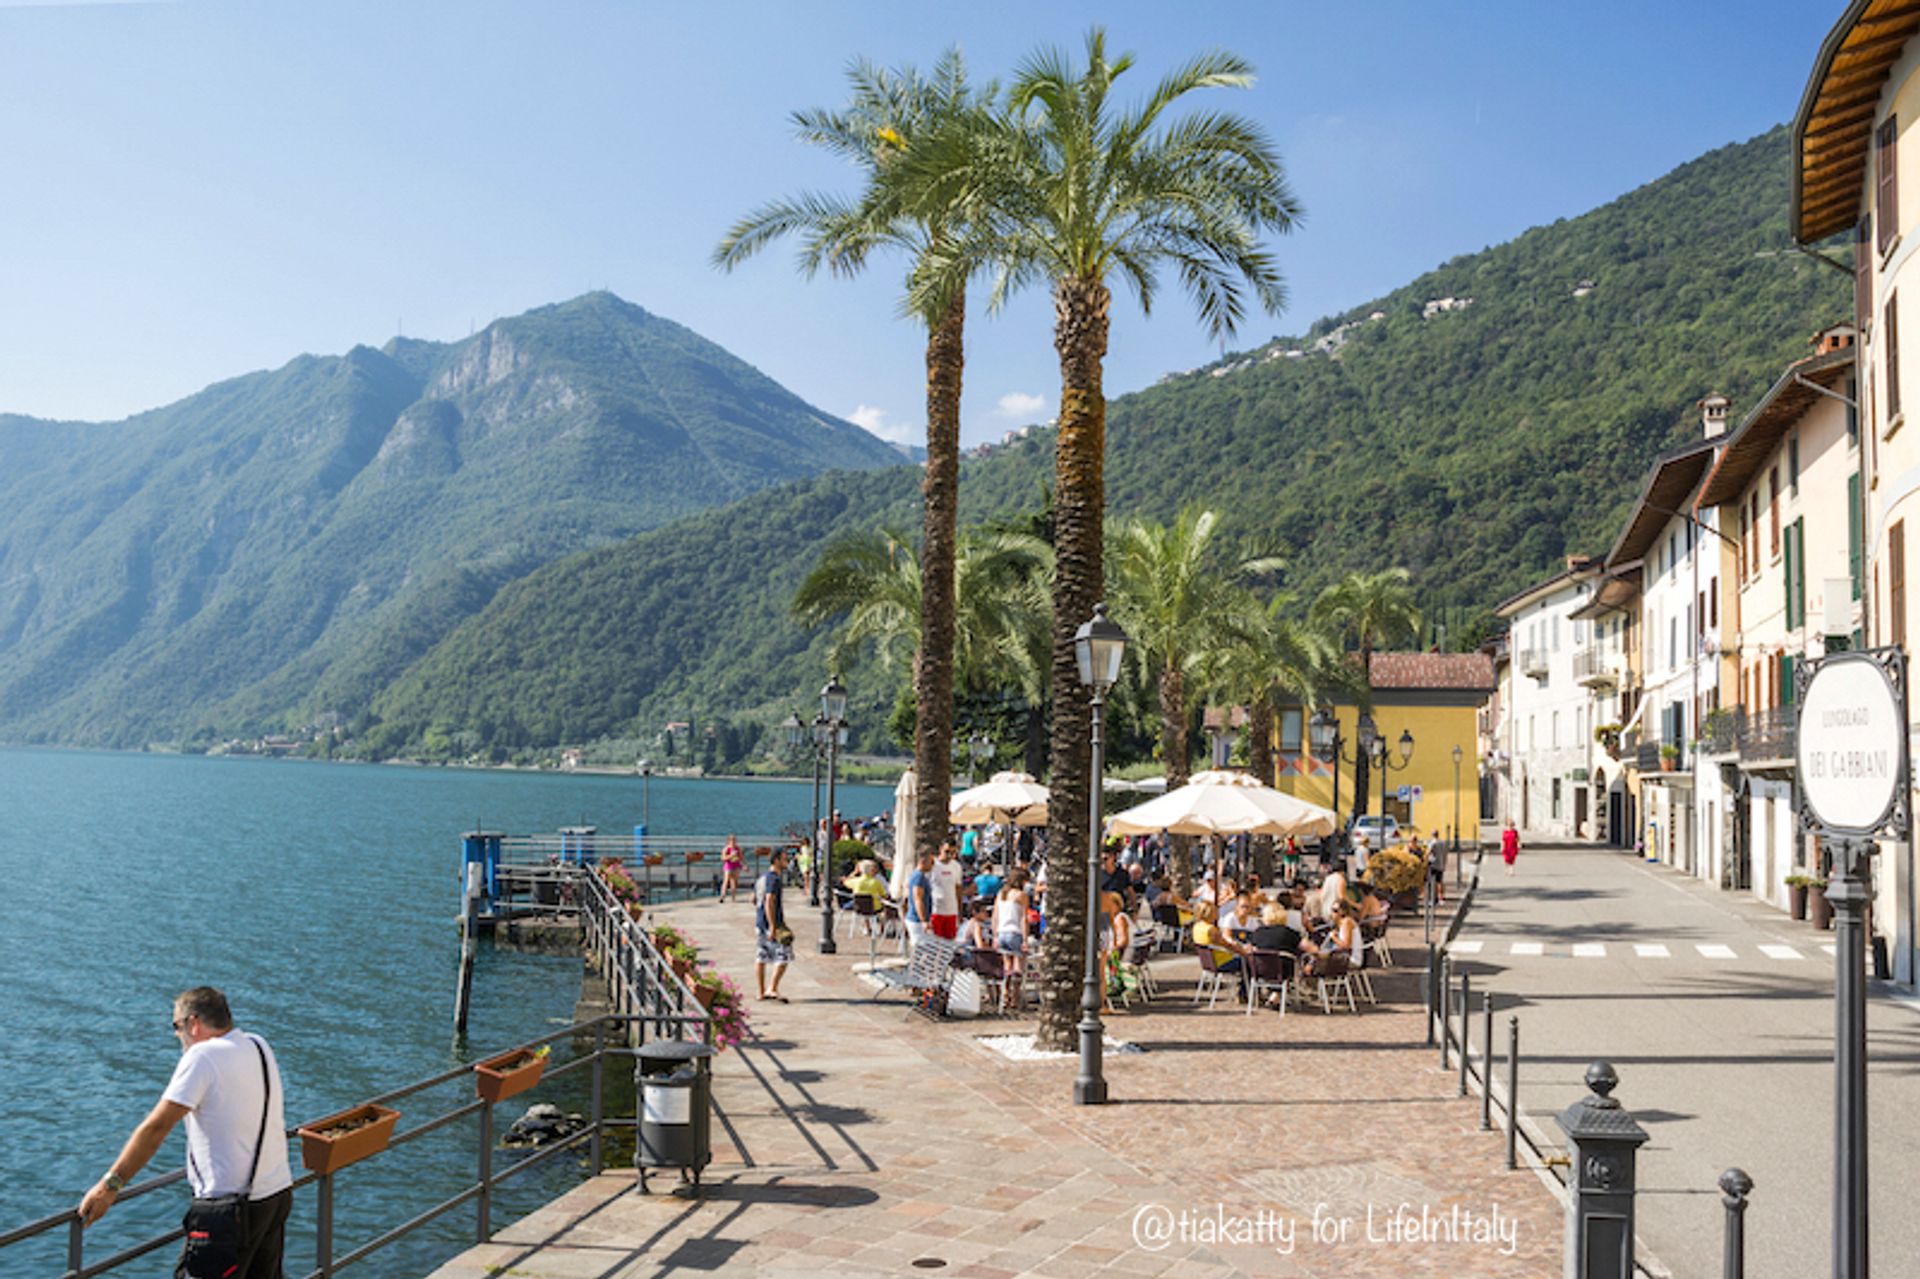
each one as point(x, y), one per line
point(1406, 746)
point(833, 700)
point(1099, 647)
point(1323, 733)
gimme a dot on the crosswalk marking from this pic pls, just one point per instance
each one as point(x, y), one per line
point(1829, 948)
point(1779, 952)
point(1651, 950)
point(1589, 950)
point(1713, 950)
point(1467, 947)
point(1526, 948)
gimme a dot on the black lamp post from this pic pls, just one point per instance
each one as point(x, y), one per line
point(1098, 647)
point(833, 710)
point(817, 736)
point(1385, 765)
point(1458, 755)
point(646, 794)
point(1325, 736)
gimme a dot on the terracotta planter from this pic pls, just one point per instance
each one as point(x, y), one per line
point(681, 968)
point(652, 859)
point(330, 1144)
point(1668, 765)
point(1797, 900)
point(1822, 908)
point(498, 1078)
point(695, 857)
point(635, 910)
point(706, 995)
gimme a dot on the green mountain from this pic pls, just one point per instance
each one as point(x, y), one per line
point(280, 547)
point(1477, 425)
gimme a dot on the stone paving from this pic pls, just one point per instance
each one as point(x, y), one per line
point(855, 1138)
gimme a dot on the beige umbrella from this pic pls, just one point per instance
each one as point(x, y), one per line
point(1004, 797)
point(1224, 803)
point(906, 800)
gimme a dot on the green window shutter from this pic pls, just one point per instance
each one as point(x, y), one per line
point(1854, 557)
point(1800, 569)
point(1786, 575)
point(1786, 680)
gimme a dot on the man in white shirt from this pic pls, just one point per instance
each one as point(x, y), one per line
point(227, 1088)
point(946, 893)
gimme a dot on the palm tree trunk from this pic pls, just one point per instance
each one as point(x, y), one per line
point(1363, 766)
point(1260, 763)
point(1079, 499)
point(933, 662)
point(1173, 752)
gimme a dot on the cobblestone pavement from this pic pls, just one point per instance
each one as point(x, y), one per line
point(856, 1138)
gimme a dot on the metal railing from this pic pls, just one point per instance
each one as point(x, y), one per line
point(1595, 666)
point(1767, 735)
point(1650, 756)
point(650, 1001)
point(1533, 661)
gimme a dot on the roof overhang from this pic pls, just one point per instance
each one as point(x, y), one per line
point(1668, 487)
point(1757, 438)
point(1833, 129)
point(1541, 590)
point(1615, 594)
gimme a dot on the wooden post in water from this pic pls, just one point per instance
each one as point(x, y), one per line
point(469, 941)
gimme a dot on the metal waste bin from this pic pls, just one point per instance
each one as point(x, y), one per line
point(674, 1083)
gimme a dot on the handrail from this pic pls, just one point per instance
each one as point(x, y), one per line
point(647, 992)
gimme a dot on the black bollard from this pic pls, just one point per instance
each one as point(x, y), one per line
point(1602, 1140)
point(1446, 999)
point(1466, 1006)
point(1513, 1088)
point(1486, 1060)
point(1431, 974)
point(1735, 1186)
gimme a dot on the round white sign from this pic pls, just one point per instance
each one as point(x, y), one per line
point(1851, 745)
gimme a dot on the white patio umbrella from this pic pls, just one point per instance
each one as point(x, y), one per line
point(1220, 802)
point(1004, 797)
point(906, 800)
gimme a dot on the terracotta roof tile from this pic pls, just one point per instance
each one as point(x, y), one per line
point(1472, 671)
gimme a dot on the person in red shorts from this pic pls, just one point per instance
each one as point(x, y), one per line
point(946, 893)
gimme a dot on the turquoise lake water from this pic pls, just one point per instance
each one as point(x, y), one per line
point(321, 898)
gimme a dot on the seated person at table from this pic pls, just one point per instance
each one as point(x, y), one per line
point(1273, 932)
point(1226, 951)
point(866, 882)
point(1333, 889)
point(977, 933)
point(987, 883)
point(1374, 907)
point(1345, 934)
point(1297, 909)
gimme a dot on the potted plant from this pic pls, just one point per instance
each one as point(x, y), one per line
point(652, 859)
point(1608, 735)
point(330, 1144)
point(1797, 886)
point(727, 1009)
point(707, 987)
point(695, 856)
point(1822, 909)
point(498, 1078)
point(1669, 757)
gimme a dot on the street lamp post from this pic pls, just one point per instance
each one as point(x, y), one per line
point(1458, 755)
point(1098, 647)
point(1385, 765)
point(646, 793)
point(833, 709)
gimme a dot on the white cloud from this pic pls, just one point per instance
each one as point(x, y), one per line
point(874, 421)
point(1020, 406)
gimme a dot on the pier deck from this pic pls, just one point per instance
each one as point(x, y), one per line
point(853, 1138)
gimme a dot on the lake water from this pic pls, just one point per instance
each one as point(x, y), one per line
point(321, 898)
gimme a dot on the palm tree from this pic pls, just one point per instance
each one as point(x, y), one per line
point(1261, 653)
point(892, 118)
point(1172, 601)
point(1080, 190)
point(1370, 611)
point(874, 580)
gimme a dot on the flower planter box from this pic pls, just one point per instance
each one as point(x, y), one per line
point(652, 859)
point(1822, 909)
point(695, 857)
point(1797, 900)
point(330, 1144)
point(498, 1078)
point(706, 995)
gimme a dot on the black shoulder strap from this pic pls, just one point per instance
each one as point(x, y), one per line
point(266, 1102)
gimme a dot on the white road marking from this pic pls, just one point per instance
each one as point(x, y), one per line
point(1779, 952)
point(1830, 948)
point(1651, 950)
point(1713, 950)
point(1468, 947)
point(1589, 950)
point(1527, 948)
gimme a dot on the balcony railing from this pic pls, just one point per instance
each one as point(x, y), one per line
point(1648, 756)
point(1768, 737)
point(1595, 667)
point(1533, 662)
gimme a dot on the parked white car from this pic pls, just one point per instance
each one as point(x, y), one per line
point(1381, 832)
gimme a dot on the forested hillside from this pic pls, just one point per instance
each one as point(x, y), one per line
point(1474, 426)
point(275, 549)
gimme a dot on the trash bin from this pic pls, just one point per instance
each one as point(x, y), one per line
point(674, 1083)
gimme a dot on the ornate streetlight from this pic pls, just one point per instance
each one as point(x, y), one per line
point(1458, 755)
point(1324, 734)
point(833, 711)
point(646, 793)
point(1385, 765)
point(1098, 647)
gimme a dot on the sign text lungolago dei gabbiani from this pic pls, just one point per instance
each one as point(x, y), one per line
point(1852, 743)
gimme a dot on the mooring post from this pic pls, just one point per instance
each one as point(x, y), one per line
point(469, 942)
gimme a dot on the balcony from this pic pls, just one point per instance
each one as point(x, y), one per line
point(1767, 738)
point(1533, 662)
point(1596, 668)
point(1649, 756)
point(1720, 731)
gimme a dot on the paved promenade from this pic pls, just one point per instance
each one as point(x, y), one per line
point(854, 1138)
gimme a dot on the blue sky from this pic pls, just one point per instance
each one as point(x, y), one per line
point(192, 191)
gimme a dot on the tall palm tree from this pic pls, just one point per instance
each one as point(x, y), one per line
point(1081, 190)
point(1370, 611)
point(874, 580)
point(1262, 652)
point(1173, 600)
point(894, 117)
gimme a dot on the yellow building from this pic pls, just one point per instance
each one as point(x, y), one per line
point(1434, 698)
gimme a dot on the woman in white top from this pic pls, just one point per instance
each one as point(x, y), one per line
point(1010, 931)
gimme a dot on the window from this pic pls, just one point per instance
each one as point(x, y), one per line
point(1556, 799)
point(1673, 641)
point(1753, 534)
point(1556, 730)
point(1897, 583)
point(1854, 540)
point(1793, 464)
point(1290, 730)
point(1851, 390)
point(1773, 511)
point(1886, 202)
point(1796, 574)
point(1892, 343)
point(1862, 277)
point(1740, 563)
point(1532, 739)
point(1713, 604)
point(1556, 632)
